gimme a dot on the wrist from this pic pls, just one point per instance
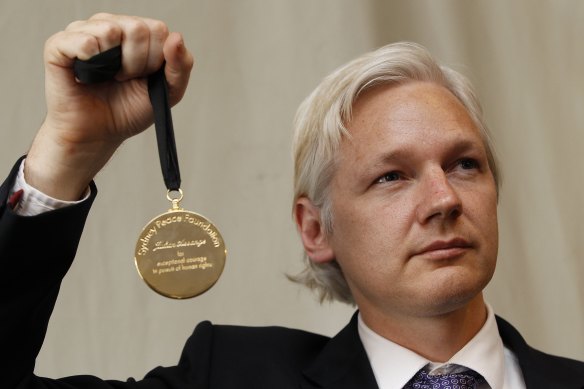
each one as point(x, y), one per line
point(63, 170)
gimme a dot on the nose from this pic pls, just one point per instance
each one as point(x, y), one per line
point(438, 198)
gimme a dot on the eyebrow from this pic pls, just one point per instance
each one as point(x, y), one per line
point(401, 154)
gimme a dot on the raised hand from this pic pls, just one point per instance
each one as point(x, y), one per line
point(86, 123)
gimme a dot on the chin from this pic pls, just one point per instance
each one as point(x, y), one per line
point(449, 304)
point(452, 294)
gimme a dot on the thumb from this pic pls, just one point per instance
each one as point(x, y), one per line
point(179, 63)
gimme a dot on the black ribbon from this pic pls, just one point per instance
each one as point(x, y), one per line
point(103, 67)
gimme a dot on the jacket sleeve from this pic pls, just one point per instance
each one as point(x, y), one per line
point(35, 254)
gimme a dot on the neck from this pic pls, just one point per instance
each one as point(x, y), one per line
point(435, 337)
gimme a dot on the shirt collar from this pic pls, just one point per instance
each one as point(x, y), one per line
point(394, 365)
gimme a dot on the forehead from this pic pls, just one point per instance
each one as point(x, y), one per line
point(409, 117)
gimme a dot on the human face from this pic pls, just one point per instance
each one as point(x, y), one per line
point(414, 203)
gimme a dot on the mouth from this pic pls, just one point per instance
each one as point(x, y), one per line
point(445, 249)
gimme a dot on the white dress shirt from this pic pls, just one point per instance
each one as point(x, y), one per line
point(394, 365)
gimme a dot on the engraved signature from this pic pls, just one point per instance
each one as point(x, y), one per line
point(164, 245)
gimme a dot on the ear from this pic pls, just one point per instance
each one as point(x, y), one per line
point(312, 232)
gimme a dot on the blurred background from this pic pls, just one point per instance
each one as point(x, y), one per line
point(256, 61)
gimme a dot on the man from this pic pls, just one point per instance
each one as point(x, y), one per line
point(395, 202)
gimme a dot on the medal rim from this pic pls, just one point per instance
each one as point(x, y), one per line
point(171, 295)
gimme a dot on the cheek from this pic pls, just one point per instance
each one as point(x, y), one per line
point(370, 234)
point(482, 211)
point(493, 239)
point(487, 209)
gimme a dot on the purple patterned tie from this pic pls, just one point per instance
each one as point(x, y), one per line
point(468, 379)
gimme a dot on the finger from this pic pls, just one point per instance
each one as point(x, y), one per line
point(179, 63)
point(107, 33)
point(158, 35)
point(62, 48)
point(135, 44)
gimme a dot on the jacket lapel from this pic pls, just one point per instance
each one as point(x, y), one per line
point(342, 363)
point(540, 370)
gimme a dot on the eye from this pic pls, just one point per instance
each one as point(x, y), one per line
point(388, 177)
point(468, 164)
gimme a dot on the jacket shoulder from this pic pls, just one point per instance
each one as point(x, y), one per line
point(229, 356)
point(539, 368)
point(259, 342)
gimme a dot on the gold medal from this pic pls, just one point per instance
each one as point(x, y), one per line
point(180, 254)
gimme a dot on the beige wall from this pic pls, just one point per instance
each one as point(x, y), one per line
point(256, 60)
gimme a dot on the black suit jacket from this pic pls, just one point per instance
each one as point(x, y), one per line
point(36, 252)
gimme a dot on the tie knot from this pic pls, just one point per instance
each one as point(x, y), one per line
point(468, 379)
